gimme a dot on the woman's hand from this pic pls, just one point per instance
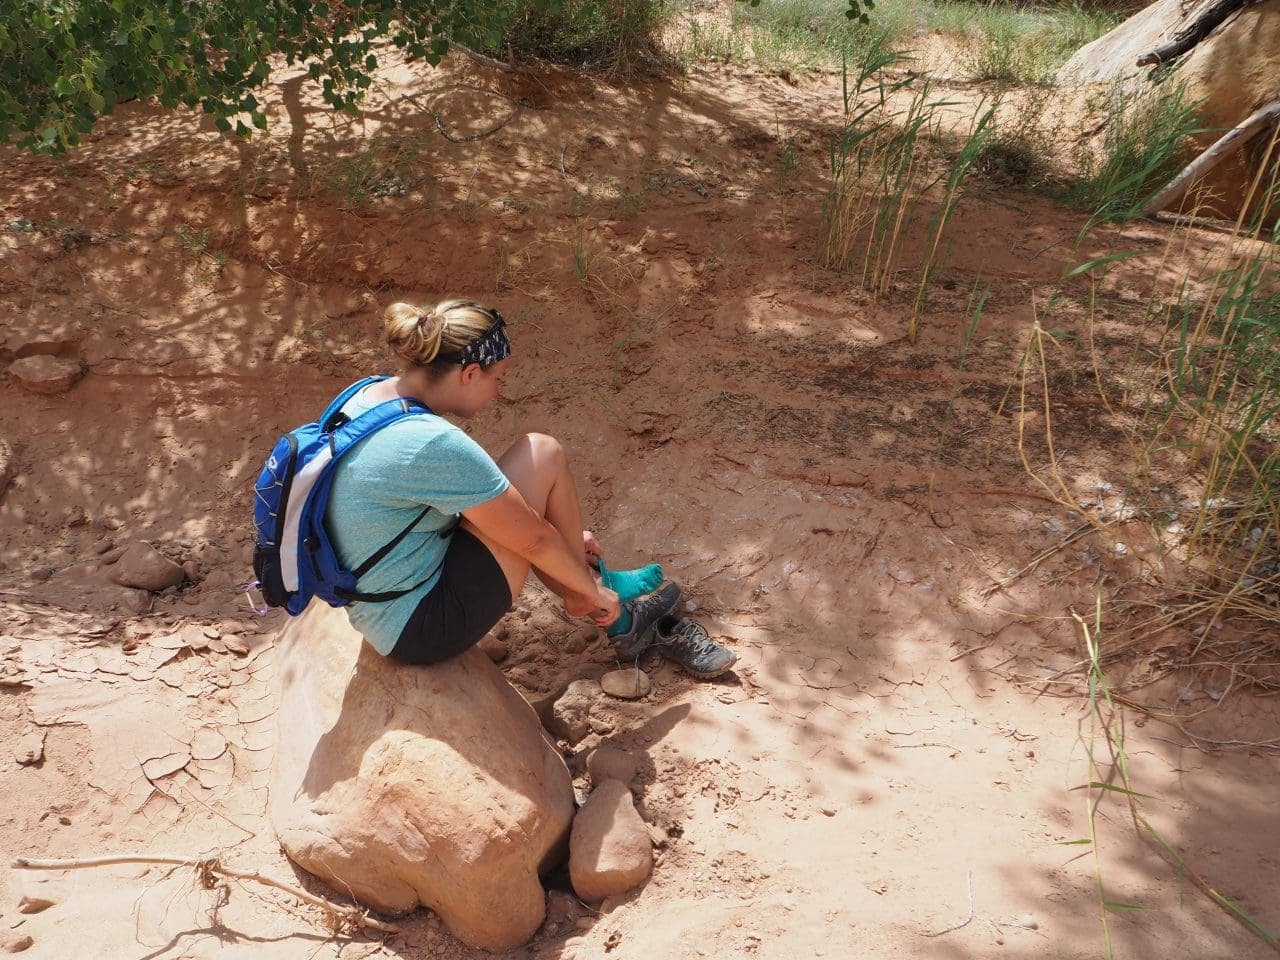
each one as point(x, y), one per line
point(603, 608)
point(591, 547)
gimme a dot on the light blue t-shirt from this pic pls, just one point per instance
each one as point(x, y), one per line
point(383, 483)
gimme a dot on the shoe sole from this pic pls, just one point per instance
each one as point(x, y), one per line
point(704, 674)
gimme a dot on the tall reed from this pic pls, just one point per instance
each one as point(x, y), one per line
point(885, 175)
point(1110, 777)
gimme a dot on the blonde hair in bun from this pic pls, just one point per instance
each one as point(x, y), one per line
point(418, 335)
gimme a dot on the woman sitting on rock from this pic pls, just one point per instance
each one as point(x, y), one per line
point(490, 521)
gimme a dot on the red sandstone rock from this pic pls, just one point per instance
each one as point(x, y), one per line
point(44, 374)
point(609, 849)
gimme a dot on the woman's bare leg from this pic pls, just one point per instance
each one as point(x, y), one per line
point(537, 466)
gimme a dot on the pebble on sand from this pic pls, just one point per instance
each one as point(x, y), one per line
point(626, 684)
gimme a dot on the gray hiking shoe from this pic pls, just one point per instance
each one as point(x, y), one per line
point(645, 613)
point(685, 642)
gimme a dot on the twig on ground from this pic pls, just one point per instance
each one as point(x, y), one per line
point(481, 58)
point(342, 918)
point(1038, 559)
point(965, 922)
point(443, 128)
point(929, 743)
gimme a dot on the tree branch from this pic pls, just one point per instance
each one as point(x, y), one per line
point(1226, 145)
point(1201, 24)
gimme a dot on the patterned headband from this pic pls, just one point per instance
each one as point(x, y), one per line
point(486, 349)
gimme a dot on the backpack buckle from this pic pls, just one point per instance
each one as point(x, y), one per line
point(257, 603)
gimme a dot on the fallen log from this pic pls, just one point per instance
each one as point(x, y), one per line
point(1223, 147)
point(1203, 20)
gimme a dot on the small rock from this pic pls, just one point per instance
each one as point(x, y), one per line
point(609, 848)
point(493, 648)
point(194, 637)
point(627, 684)
point(143, 566)
point(601, 726)
point(45, 374)
point(579, 641)
point(562, 907)
point(41, 574)
point(610, 763)
point(192, 570)
point(35, 902)
point(235, 644)
point(136, 601)
point(30, 747)
point(15, 942)
point(828, 810)
point(158, 767)
point(571, 713)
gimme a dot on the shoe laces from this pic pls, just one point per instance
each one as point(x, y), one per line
point(638, 607)
point(689, 634)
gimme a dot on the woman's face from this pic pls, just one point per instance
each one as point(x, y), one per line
point(482, 385)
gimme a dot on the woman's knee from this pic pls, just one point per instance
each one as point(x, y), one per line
point(546, 451)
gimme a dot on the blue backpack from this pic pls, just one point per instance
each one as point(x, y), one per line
point(294, 559)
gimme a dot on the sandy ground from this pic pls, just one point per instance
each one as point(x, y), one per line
point(887, 773)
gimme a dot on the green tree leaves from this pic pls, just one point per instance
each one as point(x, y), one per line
point(65, 63)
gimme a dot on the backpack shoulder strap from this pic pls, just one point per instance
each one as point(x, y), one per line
point(347, 435)
point(341, 399)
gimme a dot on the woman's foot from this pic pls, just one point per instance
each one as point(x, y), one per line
point(633, 632)
point(630, 584)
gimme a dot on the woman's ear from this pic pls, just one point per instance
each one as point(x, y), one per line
point(469, 373)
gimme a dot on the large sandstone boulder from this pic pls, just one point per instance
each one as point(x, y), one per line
point(1234, 71)
point(416, 785)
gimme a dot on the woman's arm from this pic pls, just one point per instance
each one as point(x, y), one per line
point(511, 523)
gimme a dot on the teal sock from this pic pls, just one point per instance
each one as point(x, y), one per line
point(619, 626)
point(629, 584)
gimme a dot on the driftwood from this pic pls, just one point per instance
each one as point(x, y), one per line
point(1203, 19)
point(341, 918)
point(1225, 146)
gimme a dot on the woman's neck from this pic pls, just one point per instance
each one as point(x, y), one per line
point(418, 385)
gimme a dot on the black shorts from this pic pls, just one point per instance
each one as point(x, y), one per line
point(470, 597)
